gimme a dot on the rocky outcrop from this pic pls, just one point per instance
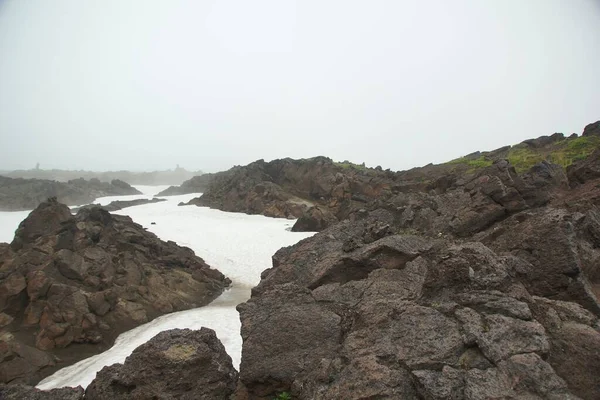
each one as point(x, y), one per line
point(288, 188)
point(196, 184)
point(471, 193)
point(21, 392)
point(585, 170)
point(27, 194)
point(592, 129)
point(315, 219)
point(175, 364)
point(121, 204)
point(364, 310)
point(71, 280)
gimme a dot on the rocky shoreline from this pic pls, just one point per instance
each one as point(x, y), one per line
point(70, 284)
point(475, 279)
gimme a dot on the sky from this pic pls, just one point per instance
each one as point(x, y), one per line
point(149, 84)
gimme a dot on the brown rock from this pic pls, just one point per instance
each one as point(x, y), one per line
point(108, 276)
point(179, 363)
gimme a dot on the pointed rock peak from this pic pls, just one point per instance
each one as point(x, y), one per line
point(47, 217)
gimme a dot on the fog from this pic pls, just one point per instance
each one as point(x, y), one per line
point(146, 85)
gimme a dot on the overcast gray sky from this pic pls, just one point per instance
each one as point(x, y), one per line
point(146, 84)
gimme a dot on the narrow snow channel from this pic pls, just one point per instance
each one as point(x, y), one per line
point(238, 245)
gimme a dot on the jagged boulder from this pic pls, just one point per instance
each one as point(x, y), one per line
point(585, 170)
point(315, 219)
point(592, 129)
point(359, 311)
point(562, 248)
point(179, 363)
point(86, 279)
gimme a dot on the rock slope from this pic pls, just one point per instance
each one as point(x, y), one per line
point(69, 285)
point(483, 283)
point(365, 310)
point(27, 194)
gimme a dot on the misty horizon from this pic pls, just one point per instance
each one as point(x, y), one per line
point(208, 85)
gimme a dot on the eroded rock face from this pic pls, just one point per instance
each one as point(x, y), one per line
point(84, 279)
point(315, 219)
point(288, 188)
point(360, 311)
point(27, 194)
point(179, 363)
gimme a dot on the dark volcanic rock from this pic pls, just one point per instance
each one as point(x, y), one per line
point(404, 316)
point(592, 129)
point(22, 392)
point(315, 219)
point(461, 197)
point(561, 249)
point(27, 194)
point(585, 170)
point(67, 280)
point(175, 364)
point(287, 188)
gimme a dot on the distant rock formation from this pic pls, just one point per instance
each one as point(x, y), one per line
point(69, 280)
point(288, 188)
point(167, 177)
point(175, 364)
point(27, 194)
point(121, 204)
point(197, 184)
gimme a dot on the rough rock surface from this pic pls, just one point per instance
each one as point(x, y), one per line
point(315, 219)
point(23, 392)
point(287, 188)
point(175, 364)
point(27, 194)
point(69, 281)
point(364, 310)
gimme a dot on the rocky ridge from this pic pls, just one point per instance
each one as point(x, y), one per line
point(321, 192)
point(69, 285)
point(121, 204)
point(26, 194)
point(166, 177)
